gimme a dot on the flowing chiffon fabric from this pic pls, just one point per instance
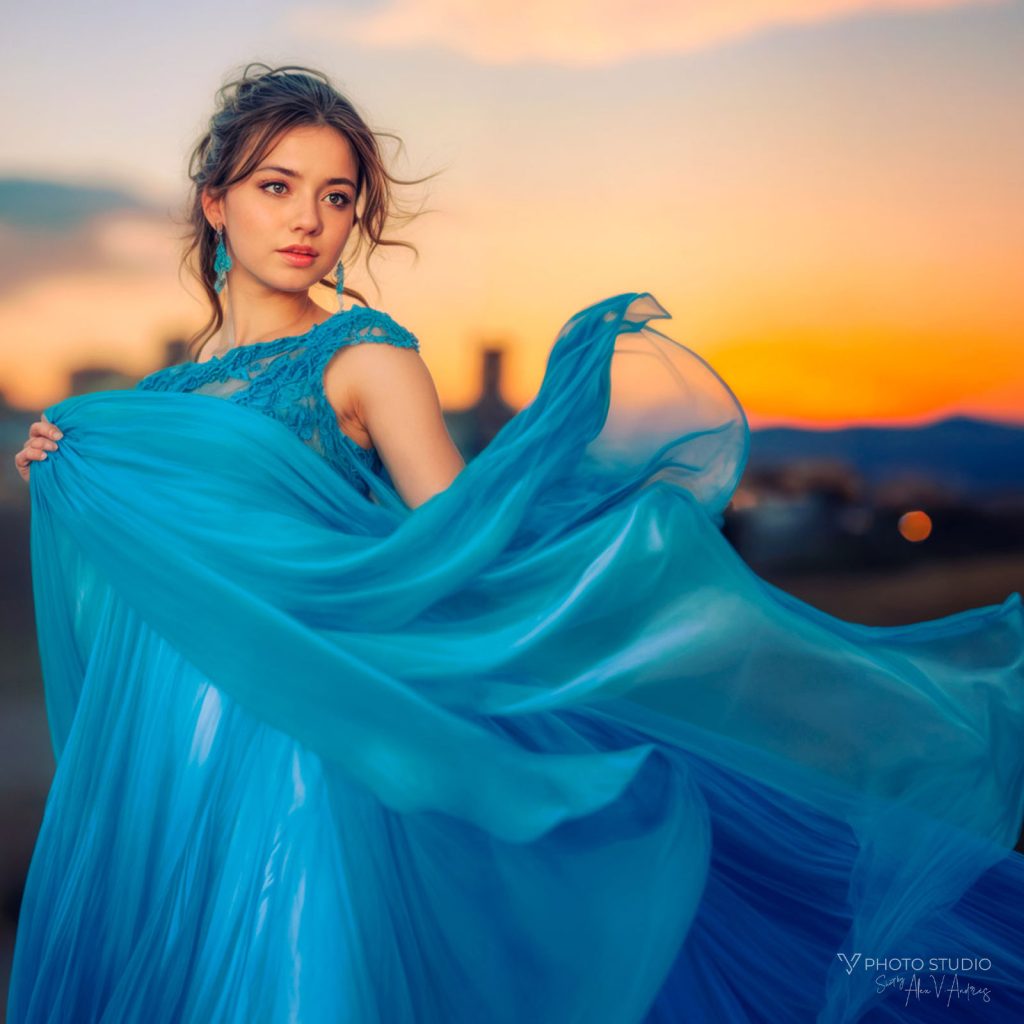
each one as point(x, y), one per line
point(542, 749)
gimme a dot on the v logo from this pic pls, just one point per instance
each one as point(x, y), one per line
point(850, 963)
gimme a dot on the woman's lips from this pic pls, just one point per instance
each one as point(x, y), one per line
point(297, 259)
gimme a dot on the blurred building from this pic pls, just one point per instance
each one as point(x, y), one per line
point(474, 427)
point(87, 379)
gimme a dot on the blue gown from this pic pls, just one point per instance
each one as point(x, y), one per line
point(543, 749)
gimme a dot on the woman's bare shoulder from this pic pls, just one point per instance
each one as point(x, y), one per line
point(358, 371)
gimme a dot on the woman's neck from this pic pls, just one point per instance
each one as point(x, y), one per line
point(252, 327)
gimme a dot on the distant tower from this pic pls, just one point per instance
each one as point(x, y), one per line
point(474, 427)
point(491, 411)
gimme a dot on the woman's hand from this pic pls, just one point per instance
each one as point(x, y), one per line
point(42, 437)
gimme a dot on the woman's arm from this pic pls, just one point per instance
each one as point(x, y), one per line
point(385, 395)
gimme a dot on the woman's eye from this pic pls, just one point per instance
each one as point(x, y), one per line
point(344, 199)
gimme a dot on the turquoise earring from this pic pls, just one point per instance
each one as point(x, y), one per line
point(221, 261)
point(341, 279)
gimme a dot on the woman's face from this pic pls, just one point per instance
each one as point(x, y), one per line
point(301, 194)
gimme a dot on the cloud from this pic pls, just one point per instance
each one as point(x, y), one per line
point(82, 233)
point(576, 33)
point(39, 205)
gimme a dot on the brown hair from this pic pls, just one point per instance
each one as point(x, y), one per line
point(253, 111)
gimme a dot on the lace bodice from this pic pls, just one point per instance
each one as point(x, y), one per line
point(283, 378)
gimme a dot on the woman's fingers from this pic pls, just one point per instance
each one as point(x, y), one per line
point(44, 428)
point(24, 459)
point(42, 435)
point(42, 438)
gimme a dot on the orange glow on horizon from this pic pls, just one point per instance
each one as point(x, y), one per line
point(805, 383)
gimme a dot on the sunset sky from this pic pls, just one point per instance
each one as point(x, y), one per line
point(827, 197)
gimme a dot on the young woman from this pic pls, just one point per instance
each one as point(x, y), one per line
point(348, 730)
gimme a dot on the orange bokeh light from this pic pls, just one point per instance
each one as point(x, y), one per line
point(915, 526)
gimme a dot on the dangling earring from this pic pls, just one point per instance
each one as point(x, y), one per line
point(221, 261)
point(341, 279)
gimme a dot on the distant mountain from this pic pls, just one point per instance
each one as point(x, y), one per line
point(974, 456)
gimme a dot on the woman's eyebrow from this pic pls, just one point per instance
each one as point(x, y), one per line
point(295, 174)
